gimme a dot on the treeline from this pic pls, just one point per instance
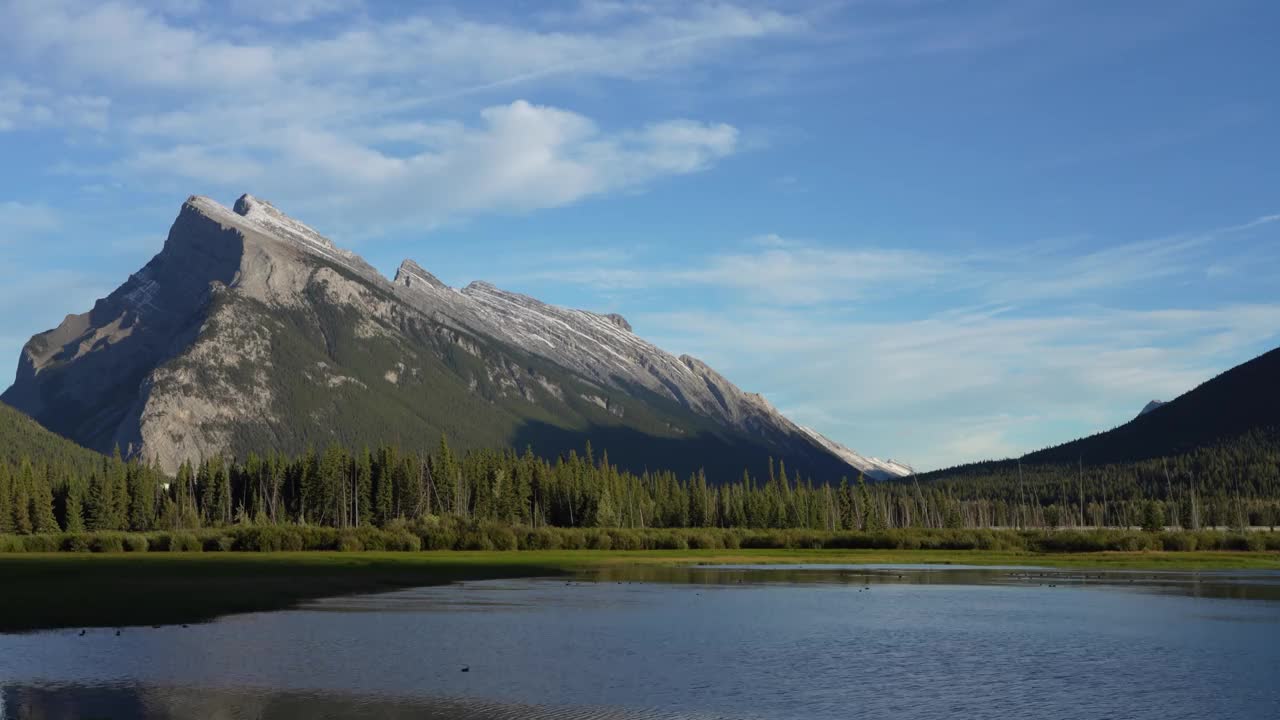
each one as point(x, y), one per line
point(1233, 486)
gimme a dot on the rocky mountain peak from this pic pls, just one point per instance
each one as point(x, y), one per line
point(271, 219)
point(481, 286)
point(411, 274)
point(189, 357)
point(618, 320)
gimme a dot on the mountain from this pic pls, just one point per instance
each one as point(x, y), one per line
point(1243, 401)
point(22, 437)
point(250, 331)
point(1151, 406)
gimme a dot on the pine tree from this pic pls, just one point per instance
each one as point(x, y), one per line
point(119, 508)
point(74, 511)
point(98, 507)
point(364, 488)
point(42, 518)
point(6, 499)
point(206, 492)
point(22, 523)
point(224, 493)
point(384, 486)
point(142, 498)
point(444, 473)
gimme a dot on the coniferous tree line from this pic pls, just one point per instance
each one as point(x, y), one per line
point(1233, 485)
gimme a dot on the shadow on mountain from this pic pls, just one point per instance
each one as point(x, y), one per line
point(722, 457)
point(90, 368)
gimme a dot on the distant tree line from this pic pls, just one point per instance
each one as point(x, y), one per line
point(1234, 485)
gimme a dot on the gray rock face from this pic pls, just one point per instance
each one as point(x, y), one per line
point(195, 355)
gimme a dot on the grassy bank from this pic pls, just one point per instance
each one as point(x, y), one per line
point(52, 590)
point(451, 533)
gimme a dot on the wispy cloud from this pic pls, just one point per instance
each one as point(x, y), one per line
point(1066, 272)
point(896, 387)
point(996, 351)
point(24, 106)
point(294, 11)
point(364, 110)
point(773, 270)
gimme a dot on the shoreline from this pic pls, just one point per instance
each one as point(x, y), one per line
point(46, 591)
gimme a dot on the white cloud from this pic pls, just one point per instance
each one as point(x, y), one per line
point(438, 55)
point(292, 11)
point(25, 106)
point(518, 157)
point(367, 110)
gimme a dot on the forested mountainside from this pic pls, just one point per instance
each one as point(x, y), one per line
point(251, 332)
point(1241, 400)
point(1238, 408)
point(1221, 440)
point(23, 438)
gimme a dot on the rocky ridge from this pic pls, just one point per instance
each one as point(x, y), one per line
point(200, 351)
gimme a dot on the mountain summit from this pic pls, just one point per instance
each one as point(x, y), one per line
point(1154, 404)
point(250, 331)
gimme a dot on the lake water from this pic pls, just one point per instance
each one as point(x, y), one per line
point(809, 642)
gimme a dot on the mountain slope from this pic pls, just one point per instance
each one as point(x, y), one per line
point(1240, 400)
point(1154, 404)
point(1244, 400)
point(250, 331)
point(22, 437)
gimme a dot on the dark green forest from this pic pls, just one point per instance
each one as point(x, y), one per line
point(1210, 459)
point(1233, 484)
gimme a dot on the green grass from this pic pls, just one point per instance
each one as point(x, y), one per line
point(58, 590)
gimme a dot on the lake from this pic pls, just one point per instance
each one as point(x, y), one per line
point(723, 642)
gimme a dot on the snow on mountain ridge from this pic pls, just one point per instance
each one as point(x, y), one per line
point(871, 466)
point(600, 347)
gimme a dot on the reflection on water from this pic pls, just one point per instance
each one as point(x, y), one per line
point(69, 702)
point(1238, 584)
point(665, 642)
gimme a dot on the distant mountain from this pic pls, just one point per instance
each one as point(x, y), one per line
point(1244, 400)
point(1240, 400)
point(250, 331)
point(1152, 406)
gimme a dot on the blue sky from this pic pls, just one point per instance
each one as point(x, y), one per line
point(935, 231)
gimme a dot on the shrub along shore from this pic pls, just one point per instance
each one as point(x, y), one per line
point(452, 533)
